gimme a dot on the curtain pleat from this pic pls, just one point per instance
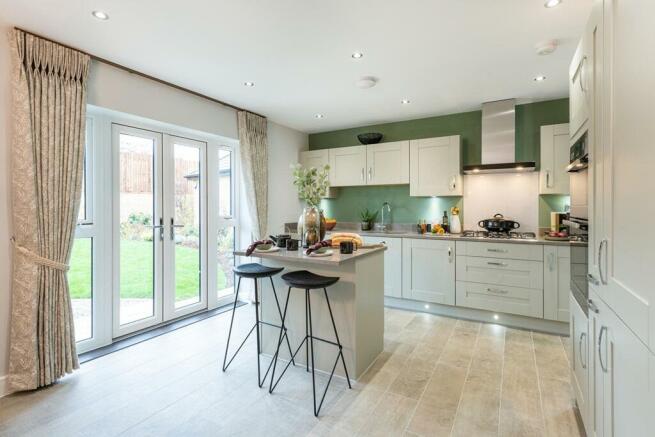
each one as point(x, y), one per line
point(253, 146)
point(49, 115)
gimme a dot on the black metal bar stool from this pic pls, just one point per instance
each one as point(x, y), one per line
point(256, 271)
point(307, 281)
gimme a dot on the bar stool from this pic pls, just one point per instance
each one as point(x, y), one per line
point(255, 271)
point(308, 281)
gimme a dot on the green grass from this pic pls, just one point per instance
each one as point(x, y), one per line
point(136, 270)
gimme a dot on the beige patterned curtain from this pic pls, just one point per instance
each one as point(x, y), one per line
point(49, 114)
point(254, 165)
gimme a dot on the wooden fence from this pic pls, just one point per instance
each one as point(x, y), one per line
point(136, 174)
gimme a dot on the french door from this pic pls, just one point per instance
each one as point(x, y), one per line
point(159, 228)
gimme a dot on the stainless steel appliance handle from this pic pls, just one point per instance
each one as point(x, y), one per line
point(592, 306)
point(600, 265)
point(582, 335)
point(600, 355)
point(160, 226)
point(497, 290)
point(173, 226)
point(493, 263)
point(592, 279)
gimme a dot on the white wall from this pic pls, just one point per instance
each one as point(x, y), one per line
point(121, 91)
point(5, 211)
point(515, 195)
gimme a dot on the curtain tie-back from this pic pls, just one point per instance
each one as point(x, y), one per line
point(38, 259)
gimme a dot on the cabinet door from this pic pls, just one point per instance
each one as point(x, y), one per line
point(553, 177)
point(626, 254)
point(429, 270)
point(434, 167)
point(557, 282)
point(347, 166)
point(580, 364)
point(317, 159)
point(578, 89)
point(387, 163)
point(392, 264)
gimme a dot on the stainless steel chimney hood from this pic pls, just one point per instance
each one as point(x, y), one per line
point(498, 143)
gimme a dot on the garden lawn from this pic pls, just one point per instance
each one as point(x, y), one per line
point(136, 270)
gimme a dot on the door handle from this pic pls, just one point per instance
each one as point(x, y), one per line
point(547, 178)
point(600, 355)
point(582, 335)
point(602, 244)
point(592, 306)
point(370, 173)
point(450, 255)
point(173, 226)
point(160, 226)
point(592, 280)
point(362, 174)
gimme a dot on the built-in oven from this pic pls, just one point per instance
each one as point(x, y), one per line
point(578, 174)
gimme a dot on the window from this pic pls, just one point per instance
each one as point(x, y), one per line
point(226, 229)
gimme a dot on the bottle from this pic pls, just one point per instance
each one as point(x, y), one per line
point(444, 222)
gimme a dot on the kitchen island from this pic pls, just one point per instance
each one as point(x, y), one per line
point(357, 302)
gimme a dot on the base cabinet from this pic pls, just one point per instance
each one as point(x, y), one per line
point(392, 264)
point(428, 270)
point(580, 363)
point(557, 282)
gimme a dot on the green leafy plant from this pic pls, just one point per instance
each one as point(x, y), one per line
point(368, 216)
point(312, 183)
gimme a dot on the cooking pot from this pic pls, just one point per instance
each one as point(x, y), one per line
point(498, 224)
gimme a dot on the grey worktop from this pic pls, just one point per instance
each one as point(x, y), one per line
point(297, 256)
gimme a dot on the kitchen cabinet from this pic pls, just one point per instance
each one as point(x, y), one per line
point(500, 298)
point(434, 167)
point(531, 252)
point(317, 159)
point(347, 166)
point(623, 387)
point(580, 361)
point(579, 88)
point(387, 163)
point(553, 177)
point(392, 264)
point(428, 270)
point(557, 282)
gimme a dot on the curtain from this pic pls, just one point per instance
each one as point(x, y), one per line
point(254, 165)
point(49, 114)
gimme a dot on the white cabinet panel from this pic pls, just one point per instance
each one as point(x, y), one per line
point(580, 361)
point(435, 167)
point(504, 299)
point(509, 272)
point(392, 264)
point(387, 163)
point(317, 159)
point(557, 282)
point(579, 88)
point(531, 252)
point(429, 270)
point(347, 166)
point(553, 177)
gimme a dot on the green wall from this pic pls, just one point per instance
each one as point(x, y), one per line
point(529, 119)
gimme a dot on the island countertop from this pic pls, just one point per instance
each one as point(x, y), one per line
point(335, 259)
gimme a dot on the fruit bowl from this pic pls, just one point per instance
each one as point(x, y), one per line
point(369, 138)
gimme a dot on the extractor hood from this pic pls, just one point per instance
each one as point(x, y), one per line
point(498, 143)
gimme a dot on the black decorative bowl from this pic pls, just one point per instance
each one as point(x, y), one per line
point(369, 138)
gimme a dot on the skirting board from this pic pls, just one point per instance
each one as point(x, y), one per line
point(4, 386)
point(509, 320)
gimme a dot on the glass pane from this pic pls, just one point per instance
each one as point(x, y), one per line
point(225, 279)
point(187, 221)
point(225, 183)
point(136, 231)
point(81, 215)
point(80, 287)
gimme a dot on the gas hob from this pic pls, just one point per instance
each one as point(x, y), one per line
point(500, 235)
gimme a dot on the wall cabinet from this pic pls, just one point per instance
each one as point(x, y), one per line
point(580, 361)
point(317, 159)
point(347, 166)
point(428, 270)
point(579, 88)
point(434, 167)
point(553, 177)
point(557, 282)
point(387, 163)
point(392, 264)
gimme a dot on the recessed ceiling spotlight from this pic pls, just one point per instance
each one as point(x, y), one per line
point(552, 3)
point(319, 116)
point(249, 84)
point(405, 101)
point(539, 78)
point(357, 55)
point(100, 15)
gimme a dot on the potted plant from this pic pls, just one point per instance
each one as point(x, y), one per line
point(368, 218)
point(312, 185)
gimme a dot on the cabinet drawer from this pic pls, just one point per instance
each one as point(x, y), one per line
point(509, 272)
point(501, 250)
point(491, 297)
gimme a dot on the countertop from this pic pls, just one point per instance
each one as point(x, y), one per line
point(404, 234)
point(299, 256)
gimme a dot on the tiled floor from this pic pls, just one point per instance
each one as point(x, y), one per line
point(437, 376)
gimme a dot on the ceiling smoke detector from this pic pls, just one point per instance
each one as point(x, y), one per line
point(366, 82)
point(546, 47)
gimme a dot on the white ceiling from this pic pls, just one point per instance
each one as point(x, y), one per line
point(444, 55)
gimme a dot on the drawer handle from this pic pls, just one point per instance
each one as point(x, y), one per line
point(494, 263)
point(497, 290)
point(497, 250)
